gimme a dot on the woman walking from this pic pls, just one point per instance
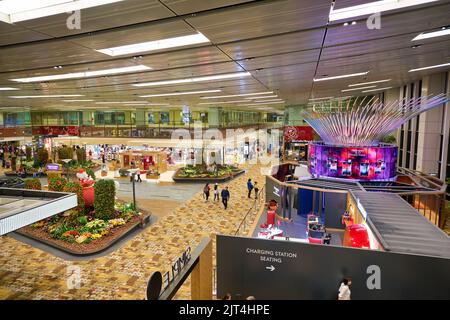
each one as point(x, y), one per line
point(216, 192)
point(206, 190)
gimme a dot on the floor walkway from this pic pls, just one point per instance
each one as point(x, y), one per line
point(29, 273)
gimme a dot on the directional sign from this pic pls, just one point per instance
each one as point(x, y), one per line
point(271, 268)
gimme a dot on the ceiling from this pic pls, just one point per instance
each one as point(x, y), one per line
point(284, 44)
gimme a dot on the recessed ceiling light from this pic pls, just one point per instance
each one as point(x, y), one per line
point(48, 96)
point(7, 88)
point(345, 24)
point(430, 67)
point(373, 7)
point(196, 79)
point(379, 89)
point(12, 11)
point(360, 88)
point(238, 95)
point(370, 82)
point(416, 46)
point(342, 76)
point(156, 45)
point(353, 23)
point(178, 93)
point(434, 34)
point(86, 74)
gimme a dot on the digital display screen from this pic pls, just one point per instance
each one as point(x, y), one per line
point(359, 163)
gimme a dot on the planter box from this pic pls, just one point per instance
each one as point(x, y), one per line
point(177, 178)
point(104, 173)
point(152, 176)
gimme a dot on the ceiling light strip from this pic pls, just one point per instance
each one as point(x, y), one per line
point(178, 93)
point(341, 76)
point(238, 95)
point(156, 45)
point(48, 96)
point(370, 82)
point(86, 74)
point(373, 7)
point(379, 89)
point(430, 67)
point(195, 79)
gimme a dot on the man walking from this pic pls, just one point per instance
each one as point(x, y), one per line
point(249, 187)
point(255, 186)
point(225, 197)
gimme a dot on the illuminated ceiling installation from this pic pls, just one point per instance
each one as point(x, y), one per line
point(364, 121)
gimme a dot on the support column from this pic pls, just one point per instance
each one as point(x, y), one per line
point(202, 276)
point(430, 127)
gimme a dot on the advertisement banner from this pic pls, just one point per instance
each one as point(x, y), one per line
point(56, 130)
point(296, 133)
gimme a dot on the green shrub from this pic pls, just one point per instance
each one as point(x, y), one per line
point(28, 154)
point(33, 184)
point(389, 139)
point(81, 155)
point(82, 220)
point(41, 157)
point(75, 187)
point(123, 172)
point(65, 153)
point(56, 184)
point(104, 193)
point(90, 173)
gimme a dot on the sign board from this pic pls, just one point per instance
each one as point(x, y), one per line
point(278, 269)
point(296, 133)
point(52, 167)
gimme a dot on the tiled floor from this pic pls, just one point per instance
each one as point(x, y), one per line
point(29, 273)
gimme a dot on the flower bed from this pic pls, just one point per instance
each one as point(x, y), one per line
point(219, 173)
point(85, 234)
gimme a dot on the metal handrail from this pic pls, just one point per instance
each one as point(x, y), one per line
point(256, 205)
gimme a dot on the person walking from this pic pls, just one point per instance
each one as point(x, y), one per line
point(225, 197)
point(138, 173)
point(206, 191)
point(249, 187)
point(344, 289)
point(216, 192)
point(255, 186)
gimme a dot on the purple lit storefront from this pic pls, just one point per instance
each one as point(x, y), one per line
point(374, 163)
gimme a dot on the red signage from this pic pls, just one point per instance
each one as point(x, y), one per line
point(295, 133)
point(57, 131)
